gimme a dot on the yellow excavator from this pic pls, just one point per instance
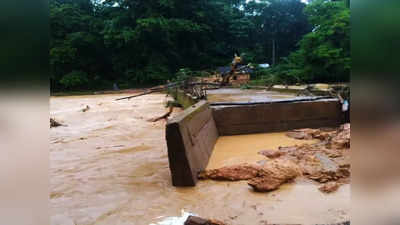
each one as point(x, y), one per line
point(237, 60)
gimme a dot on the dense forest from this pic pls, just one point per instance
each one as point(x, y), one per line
point(96, 43)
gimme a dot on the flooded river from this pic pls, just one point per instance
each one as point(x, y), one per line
point(109, 165)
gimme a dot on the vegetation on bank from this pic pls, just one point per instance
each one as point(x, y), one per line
point(95, 44)
point(323, 54)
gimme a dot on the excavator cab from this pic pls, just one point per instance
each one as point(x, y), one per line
point(237, 60)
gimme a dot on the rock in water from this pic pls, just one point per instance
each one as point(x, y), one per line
point(264, 184)
point(268, 177)
point(329, 187)
point(216, 222)
point(272, 154)
point(232, 173)
point(301, 134)
point(194, 220)
point(273, 174)
point(86, 109)
point(54, 123)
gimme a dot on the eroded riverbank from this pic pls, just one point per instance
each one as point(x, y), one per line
point(109, 165)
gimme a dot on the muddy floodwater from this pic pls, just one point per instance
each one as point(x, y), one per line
point(109, 165)
point(245, 95)
point(234, 150)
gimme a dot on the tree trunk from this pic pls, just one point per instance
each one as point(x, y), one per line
point(273, 51)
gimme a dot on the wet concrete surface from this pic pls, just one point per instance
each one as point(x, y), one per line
point(245, 95)
point(110, 166)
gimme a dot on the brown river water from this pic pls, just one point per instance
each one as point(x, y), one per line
point(110, 166)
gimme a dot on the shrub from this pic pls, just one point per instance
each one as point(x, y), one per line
point(74, 80)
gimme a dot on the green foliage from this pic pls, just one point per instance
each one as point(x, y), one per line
point(245, 86)
point(267, 77)
point(183, 74)
point(138, 42)
point(74, 80)
point(324, 53)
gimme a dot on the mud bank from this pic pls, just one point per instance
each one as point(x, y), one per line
point(110, 166)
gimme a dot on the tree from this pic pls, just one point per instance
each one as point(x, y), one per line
point(136, 42)
point(280, 25)
point(324, 53)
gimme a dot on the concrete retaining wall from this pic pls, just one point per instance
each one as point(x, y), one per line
point(191, 137)
point(275, 117)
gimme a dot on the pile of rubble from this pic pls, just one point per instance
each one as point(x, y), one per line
point(332, 138)
point(326, 162)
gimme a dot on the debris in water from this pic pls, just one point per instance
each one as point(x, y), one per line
point(175, 220)
point(54, 123)
point(194, 220)
point(343, 223)
point(187, 218)
point(86, 109)
point(329, 187)
point(165, 116)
